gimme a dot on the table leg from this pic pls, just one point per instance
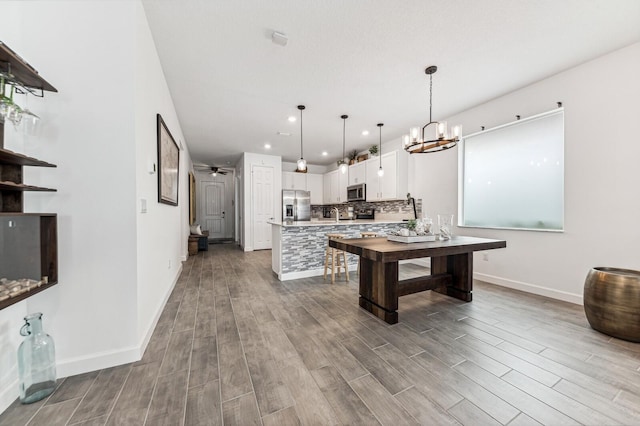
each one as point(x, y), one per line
point(460, 267)
point(379, 289)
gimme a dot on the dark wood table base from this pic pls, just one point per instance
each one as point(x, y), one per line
point(451, 272)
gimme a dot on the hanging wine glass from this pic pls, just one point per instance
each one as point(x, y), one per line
point(29, 122)
point(15, 115)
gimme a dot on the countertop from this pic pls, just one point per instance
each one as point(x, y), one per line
point(332, 222)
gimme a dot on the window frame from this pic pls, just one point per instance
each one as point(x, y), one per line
point(461, 173)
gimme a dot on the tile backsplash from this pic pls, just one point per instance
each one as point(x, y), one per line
point(381, 207)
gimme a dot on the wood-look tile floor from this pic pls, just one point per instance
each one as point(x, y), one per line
point(235, 346)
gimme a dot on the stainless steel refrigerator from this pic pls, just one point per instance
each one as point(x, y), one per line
point(296, 205)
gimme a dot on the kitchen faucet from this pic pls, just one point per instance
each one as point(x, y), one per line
point(337, 213)
point(410, 200)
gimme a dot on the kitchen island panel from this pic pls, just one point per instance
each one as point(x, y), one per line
point(298, 251)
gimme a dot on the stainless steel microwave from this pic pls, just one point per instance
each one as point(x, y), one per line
point(357, 192)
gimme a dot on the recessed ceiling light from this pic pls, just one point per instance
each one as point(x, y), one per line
point(365, 133)
point(292, 119)
point(325, 153)
point(267, 146)
point(284, 134)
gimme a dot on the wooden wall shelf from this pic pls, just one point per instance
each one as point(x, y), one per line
point(37, 235)
point(10, 157)
point(23, 73)
point(12, 300)
point(11, 186)
point(28, 241)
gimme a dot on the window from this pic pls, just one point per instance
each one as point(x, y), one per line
point(512, 176)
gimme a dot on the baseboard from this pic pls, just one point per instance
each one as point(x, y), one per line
point(97, 361)
point(8, 395)
point(107, 359)
point(147, 336)
point(530, 288)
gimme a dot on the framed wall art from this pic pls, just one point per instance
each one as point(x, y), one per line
point(168, 165)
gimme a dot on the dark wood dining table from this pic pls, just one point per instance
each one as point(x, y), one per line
point(451, 269)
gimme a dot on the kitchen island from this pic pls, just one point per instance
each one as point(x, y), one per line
point(298, 247)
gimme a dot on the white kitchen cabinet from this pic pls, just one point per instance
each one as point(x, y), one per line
point(357, 173)
point(293, 180)
point(326, 188)
point(315, 186)
point(305, 182)
point(343, 182)
point(394, 184)
point(335, 187)
point(373, 181)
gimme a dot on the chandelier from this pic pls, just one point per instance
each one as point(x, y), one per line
point(436, 138)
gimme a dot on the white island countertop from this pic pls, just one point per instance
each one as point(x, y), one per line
point(332, 222)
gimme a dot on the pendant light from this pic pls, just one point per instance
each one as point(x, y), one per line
point(343, 164)
point(302, 164)
point(440, 139)
point(380, 170)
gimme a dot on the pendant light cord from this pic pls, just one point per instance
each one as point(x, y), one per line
point(301, 156)
point(430, 96)
point(380, 149)
point(344, 126)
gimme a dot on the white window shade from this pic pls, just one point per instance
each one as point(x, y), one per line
point(512, 176)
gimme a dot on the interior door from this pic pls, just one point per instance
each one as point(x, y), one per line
point(262, 199)
point(214, 213)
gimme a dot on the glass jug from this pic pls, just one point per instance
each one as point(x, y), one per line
point(36, 361)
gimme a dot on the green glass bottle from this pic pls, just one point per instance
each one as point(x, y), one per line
point(36, 361)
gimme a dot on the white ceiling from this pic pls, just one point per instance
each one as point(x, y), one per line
point(234, 89)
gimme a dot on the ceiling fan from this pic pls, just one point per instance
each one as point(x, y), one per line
point(212, 170)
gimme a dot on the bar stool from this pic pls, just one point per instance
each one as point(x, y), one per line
point(366, 234)
point(335, 255)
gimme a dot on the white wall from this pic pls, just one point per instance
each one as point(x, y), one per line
point(601, 178)
point(243, 168)
point(163, 231)
point(109, 290)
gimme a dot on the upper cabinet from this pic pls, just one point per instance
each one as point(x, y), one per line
point(293, 180)
point(335, 187)
point(305, 182)
point(326, 188)
point(393, 185)
point(357, 173)
point(315, 187)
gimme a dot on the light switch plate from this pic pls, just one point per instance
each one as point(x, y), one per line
point(143, 205)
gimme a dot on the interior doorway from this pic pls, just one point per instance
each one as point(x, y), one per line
point(216, 206)
point(263, 205)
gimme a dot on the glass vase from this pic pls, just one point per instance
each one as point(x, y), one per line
point(36, 361)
